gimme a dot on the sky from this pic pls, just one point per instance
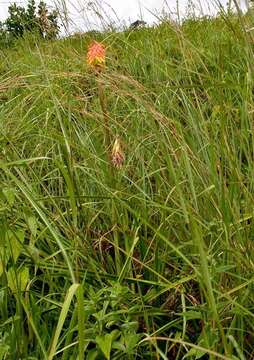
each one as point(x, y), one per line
point(82, 13)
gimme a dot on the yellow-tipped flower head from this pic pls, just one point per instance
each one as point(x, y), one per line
point(96, 55)
point(117, 154)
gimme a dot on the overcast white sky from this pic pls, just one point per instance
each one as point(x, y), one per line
point(125, 10)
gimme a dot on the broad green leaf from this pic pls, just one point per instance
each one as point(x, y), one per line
point(118, 345)
point(9, 194)
point(131, 341)
point(23, 278)
point(16, 240)
point(105, 342)
point(32, 224)
point(12, 279)
point(92, 354)
point(17, 280)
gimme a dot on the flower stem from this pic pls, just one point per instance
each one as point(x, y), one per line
point(103, 104)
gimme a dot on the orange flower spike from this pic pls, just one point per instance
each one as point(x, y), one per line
point(96, 55)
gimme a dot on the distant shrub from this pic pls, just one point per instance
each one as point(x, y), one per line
point(29, 19)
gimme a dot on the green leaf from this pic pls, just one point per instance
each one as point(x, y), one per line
point(131, 341)
point(24, 278)
point(105, 342)
point(64, 312)
point(118, 345)
point(195, 352)
point(9, 194)
point(1, 267)
point(237, 347)
point(52, 230)
point(16, 240)
point(4, 350)
point(12, 280)
point(191, 315)
point(92, 354)
point(32, 224)
point(17, 280)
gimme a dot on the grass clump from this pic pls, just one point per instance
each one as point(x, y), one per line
point(154, 259)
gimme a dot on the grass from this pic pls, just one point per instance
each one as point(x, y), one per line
point(150, 261)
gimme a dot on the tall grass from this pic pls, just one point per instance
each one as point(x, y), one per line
point(150, 261)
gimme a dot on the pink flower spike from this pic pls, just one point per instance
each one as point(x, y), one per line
point(117, 155)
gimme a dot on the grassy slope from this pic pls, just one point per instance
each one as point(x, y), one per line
point(162, 248)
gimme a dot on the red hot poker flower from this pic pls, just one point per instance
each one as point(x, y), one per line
point(96, 54)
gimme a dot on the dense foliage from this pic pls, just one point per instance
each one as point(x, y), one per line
point(153, 260)
point(22, 20)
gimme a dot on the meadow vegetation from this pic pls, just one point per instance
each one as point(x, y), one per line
point(152, 260)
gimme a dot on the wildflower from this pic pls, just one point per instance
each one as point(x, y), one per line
point(96, 55)
point(117, 154)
